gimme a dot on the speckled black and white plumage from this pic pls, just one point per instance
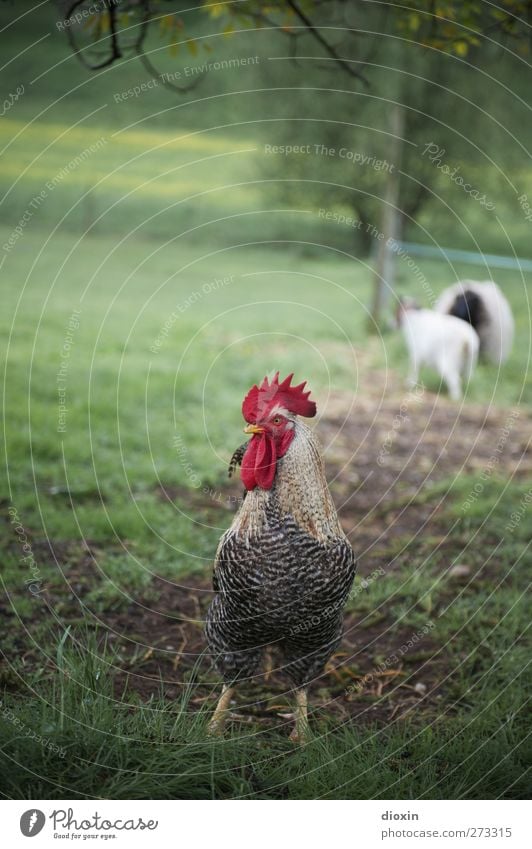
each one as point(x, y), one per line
point(282, 573)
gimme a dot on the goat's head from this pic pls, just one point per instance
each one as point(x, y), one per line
point(404, 304)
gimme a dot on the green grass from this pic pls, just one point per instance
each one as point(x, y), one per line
point(97, 481)
point(473, 746)
point(127, 405)
point(134, 242)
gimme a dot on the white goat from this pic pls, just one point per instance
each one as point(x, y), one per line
point(484, 306)
point(447, 344)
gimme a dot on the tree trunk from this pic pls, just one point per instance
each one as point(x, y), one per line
point(391, 221)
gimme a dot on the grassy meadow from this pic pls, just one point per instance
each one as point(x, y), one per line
point(146, 291)
point(96, 484)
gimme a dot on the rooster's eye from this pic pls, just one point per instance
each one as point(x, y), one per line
point(277, 420)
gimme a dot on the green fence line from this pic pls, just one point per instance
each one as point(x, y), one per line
point(494, 260)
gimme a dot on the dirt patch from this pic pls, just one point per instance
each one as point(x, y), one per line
point(167, 649)
point(384, 453)
point(384, 456)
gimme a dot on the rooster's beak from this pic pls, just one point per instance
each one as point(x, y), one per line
point(253, 428)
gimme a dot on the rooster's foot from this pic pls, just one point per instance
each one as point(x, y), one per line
point(217, 723)
point(300, 732)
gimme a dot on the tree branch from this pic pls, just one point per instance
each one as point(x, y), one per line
point(345, 66)
point(115, 48)
point(147, 63)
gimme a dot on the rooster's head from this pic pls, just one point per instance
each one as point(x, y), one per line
point(270, 410)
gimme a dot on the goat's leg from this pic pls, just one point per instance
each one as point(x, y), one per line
point(413, 373)
point(452, 379)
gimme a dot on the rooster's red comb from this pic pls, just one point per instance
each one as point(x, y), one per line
point(270, 394)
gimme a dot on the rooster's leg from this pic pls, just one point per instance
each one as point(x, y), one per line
point(300, 732)
point(216, 725)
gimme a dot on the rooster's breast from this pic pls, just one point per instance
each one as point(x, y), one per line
point(280, 576)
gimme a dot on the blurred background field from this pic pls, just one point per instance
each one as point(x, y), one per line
point(175, 162)
point(194, 262)
point(127, 403)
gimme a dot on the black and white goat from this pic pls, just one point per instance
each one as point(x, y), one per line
point(443, 342)
point(485, 308)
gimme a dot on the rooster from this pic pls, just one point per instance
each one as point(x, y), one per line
point(284, 569)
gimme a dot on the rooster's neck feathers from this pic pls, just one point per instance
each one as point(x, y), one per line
point(299, 490)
